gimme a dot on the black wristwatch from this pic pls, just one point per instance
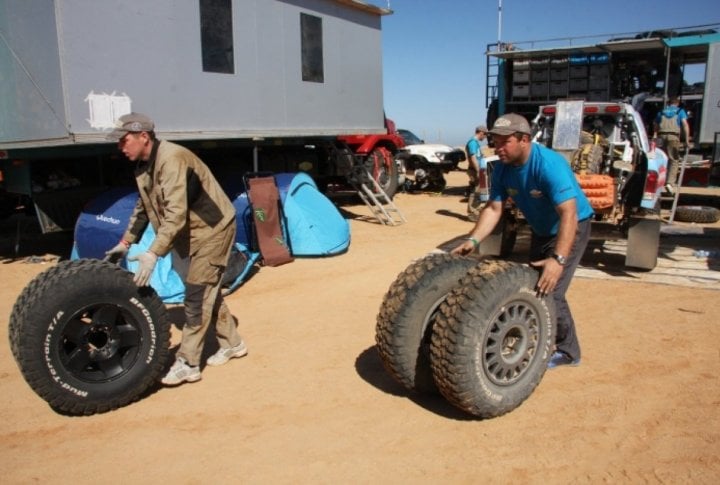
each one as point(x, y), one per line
point(559, 258)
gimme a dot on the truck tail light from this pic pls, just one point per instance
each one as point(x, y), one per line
point(651, 185)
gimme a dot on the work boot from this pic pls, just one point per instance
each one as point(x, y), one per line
point(561, 358)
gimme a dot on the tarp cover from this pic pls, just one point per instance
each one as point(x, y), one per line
point(314, 225)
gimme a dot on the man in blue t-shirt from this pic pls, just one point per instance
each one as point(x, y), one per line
point(543, 186)
point(670, 124)
point(477, 172)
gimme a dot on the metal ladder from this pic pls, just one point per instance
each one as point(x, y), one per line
point(382, 207)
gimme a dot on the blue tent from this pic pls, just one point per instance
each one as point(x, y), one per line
point(313, 225)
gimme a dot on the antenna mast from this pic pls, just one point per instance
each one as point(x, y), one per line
point(499, 23)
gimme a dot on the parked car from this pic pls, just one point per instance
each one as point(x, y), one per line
point(426, 162)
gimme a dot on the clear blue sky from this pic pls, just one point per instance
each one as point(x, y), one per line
point(433, 50)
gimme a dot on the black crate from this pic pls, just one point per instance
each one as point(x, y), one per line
point(539, 89)
point(539, 75)
point(521, 76)
point(578, 85)
point(598, 83)
point(558, 89)
point(578, 71)
point(559, 74)
point(521, 90)
point(597, 95)
point(599, 70)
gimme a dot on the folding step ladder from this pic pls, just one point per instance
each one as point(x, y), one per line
point(375, 197)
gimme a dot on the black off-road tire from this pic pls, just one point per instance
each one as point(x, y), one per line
point(87, 339)
point(406, 317)
point(492, 339)
point(701, 214)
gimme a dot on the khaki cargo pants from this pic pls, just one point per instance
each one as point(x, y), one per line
point(204, 304)
point(672, 146)
point(479, 196)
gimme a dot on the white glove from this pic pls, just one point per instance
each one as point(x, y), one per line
point(118, 252)
point(146, 265)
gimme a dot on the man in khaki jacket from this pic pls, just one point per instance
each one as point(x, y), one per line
point(193, 218)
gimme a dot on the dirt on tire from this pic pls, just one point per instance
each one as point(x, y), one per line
point(492, 339)
point(407, 313)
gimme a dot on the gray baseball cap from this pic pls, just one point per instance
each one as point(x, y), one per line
point(509, 124)
point(130, 123)
point(480, 128)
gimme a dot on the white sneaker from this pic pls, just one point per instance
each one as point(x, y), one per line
point(181, 372)
point(223, 355)
point(670, 189)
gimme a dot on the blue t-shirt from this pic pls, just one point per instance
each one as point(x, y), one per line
point(474, 147)
point(543, 182)
point(671, 111)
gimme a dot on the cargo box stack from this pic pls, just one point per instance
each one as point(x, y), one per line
point(599, 79)
point(539, 79)
point(578, 83)
point(521, 80)
point(559, 77)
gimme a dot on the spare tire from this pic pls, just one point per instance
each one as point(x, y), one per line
point(697, 213)
point(492, 339)
point(87, 339)
point(587, 159)
point(405, 321)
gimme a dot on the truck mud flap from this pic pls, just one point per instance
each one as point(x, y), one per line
point(642, 243)
point(501, 240)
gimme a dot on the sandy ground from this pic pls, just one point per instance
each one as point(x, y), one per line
point(313, 404)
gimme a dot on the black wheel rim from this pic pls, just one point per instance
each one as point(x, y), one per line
point(511, 343)
point(99, 343)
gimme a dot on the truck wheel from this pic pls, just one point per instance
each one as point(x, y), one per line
point(492, 339)
point(86, 338)
point(405, 320)
point(383, 168)
point(697, 213)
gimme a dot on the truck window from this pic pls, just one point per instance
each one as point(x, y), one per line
point(216, 36)
point(311, 40)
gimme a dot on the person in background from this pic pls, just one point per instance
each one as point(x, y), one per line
point(543, 186)
point(671, 125)
point(193, 218)
point(477, 192)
